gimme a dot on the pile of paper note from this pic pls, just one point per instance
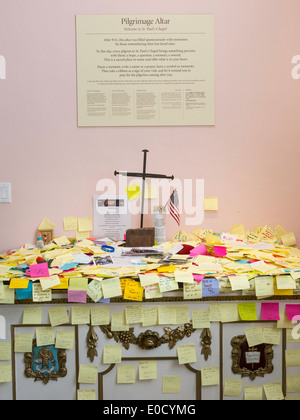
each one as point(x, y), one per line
point(257, 264)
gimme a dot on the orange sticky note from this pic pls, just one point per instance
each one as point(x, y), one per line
point(166, 269)
point(133, 291)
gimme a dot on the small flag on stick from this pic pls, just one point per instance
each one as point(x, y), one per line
point(173, 206)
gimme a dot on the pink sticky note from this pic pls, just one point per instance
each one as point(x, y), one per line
point(220, 251)
point(39, 270)
point(198, 278)
point(270, 311)
point(199, 250)
point(77, 296)
point(292, 310)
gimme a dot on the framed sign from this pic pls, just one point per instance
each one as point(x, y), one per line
point(145, 70)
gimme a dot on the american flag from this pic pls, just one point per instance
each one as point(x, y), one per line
point(173, 206)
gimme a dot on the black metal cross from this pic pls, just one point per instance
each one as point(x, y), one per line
point(143, 175)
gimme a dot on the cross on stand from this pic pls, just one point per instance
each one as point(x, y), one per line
point(143, 175)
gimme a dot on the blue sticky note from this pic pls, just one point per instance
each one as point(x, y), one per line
point(24, 293)
point(104, 300)
point(68, 266)
point(210, 287)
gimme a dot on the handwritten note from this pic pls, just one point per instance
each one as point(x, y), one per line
point(270, 311)
point(247, 311)
point(292, 310)
point(186, 354)
point(147, 370)
point(87, 374)
point(39, 270)
point(126, 374)
point(171, 384)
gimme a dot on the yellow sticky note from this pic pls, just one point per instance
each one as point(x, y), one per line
point(247, 311)
point(211, 203)
point(289, 239)
point(166, 315)
point(273, 391)
point(166, 269)
point(5, 372)
point(49, 282)
point(85, 224)
point(111, 288)
point(229, 312)
point(126, 374)
point(5, 351)
point(78, 283)
point(292, 357)
point(133, 291)
point(64, 284)
point(171, 384)
point(46, 225)
point(201, 318)
point(32, 315)
point(184, 277)
point(133, 191)
point(233, 387)
point(65, 339)
point(272, 335)
point(150, 316)
point(186, 354)
point(118, 322)
point(181, 236)
point(18, 283)
point(253, 393)
point(58, 316)
point(255, 336)
point(44, 336)
point(112, 354)
point(210, 376)
point(293, 383)
point(80, 236)
point(134, 314)
point(86, 395)
point(147, 370)
point(61, 240)
point(100, 315)
point(70, 223)
point(23, 343)
point(87, 374)
point(285, 282)
point(80, 315)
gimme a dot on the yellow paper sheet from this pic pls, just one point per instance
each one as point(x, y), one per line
point(112, 354)
point(65, 339)
point(186, 354)
point(171, 384)
point(87, 374)
point(147, 370)
point(126, 374)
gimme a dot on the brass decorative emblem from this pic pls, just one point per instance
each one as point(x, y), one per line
point(150, 340)
point(251, 361)
point(92, 341)
point(206, 343)
point(45, 363)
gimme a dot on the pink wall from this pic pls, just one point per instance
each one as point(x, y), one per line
point(249, 160)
